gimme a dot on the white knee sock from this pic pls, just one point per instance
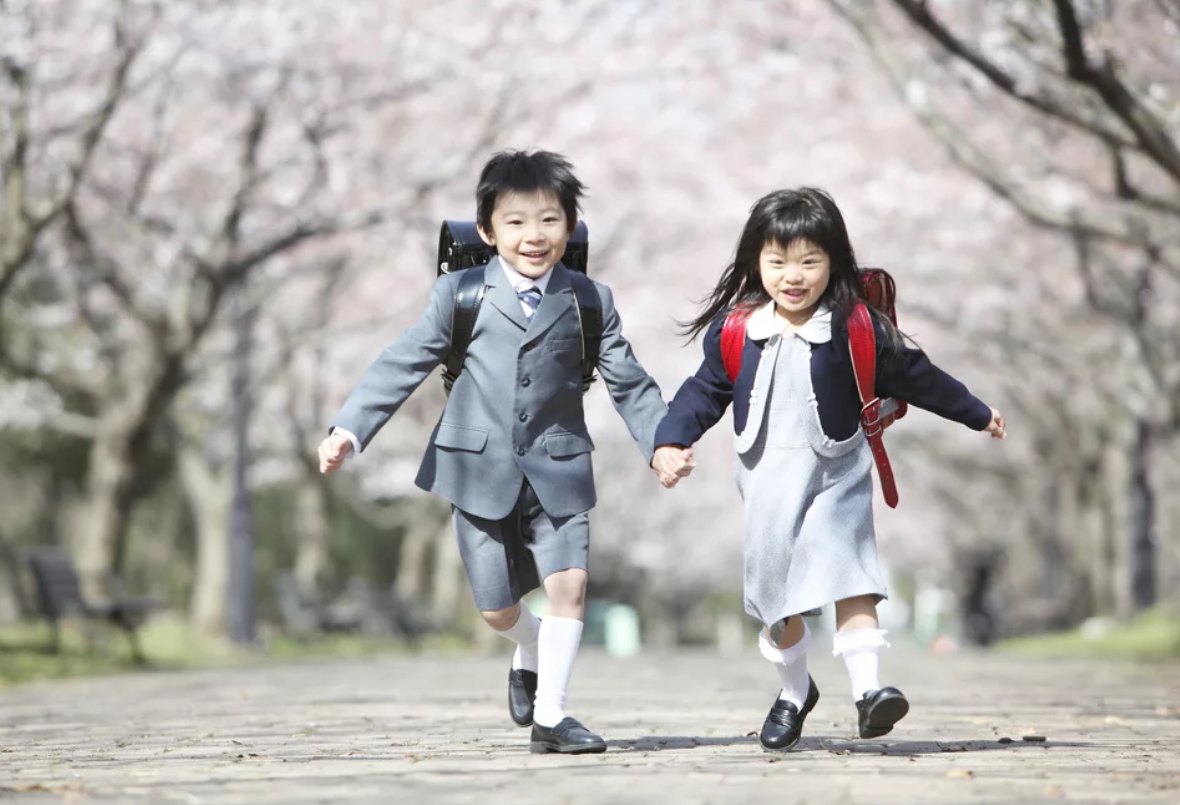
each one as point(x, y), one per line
point(524, 634)
point(556, 649)
point(859, 649)
point(791, 664)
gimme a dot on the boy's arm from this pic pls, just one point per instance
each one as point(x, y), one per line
point(910, 376)
point(702, 399)
point(401, 367)
point(634, 392)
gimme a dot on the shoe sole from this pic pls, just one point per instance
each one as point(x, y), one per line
point(884, 716)
point(781, 750)
point(544, 748)
point(528, 723)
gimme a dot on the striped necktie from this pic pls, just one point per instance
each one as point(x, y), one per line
point(531, 297)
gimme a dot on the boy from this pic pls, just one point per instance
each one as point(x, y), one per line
point(511, 452)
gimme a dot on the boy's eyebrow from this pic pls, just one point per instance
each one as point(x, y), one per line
point(543, 211)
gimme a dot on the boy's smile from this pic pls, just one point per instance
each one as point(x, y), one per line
point(529, 231)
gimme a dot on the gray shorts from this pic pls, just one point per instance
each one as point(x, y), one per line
point(505, 559)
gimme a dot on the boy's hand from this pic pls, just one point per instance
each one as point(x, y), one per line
point(672, 463)
point(996, 426)
point(333, 451)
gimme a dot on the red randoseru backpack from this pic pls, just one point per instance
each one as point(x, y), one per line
point(875, 414)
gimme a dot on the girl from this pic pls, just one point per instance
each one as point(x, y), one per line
point(804, 464)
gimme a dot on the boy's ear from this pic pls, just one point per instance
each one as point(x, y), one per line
point(573, 224)
point(487, 238)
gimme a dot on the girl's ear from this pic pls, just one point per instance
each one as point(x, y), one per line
point(487, 238)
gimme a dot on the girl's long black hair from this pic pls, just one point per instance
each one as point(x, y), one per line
point(782, 217)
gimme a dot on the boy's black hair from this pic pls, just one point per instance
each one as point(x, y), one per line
point(780, 217)
point(525, 172)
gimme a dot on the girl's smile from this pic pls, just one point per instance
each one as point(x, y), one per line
point(795, 277)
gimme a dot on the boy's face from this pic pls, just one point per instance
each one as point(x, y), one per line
point(529, 231)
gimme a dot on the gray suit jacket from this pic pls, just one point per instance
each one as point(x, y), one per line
point(516, 410)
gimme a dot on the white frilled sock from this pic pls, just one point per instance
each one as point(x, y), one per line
point(791, 664)
point(556, 648)
point(859, 649)
point(524, 633)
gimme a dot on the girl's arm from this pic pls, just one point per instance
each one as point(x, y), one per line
point(702, 399)
point(910, 376)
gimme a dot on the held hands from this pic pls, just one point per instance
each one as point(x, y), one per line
point(333, 450)
point(671, 463)
point(996, 426)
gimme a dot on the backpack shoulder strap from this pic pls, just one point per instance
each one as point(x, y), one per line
point(733, 342)
point(468, 298)
point(862, 343)
point(590, 322)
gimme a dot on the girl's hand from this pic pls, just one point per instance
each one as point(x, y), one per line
point(996, 426)
point(672, 463)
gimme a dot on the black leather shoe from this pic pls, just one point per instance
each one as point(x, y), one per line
point(879, 710)
point(569, 738)
point(522, 692)
point(784, 723)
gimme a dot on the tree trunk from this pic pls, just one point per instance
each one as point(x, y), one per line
point(448, 577)
point(125, 427)
point(1143, 587)
point(313, 529)
point(109, 486)
point(209, 492)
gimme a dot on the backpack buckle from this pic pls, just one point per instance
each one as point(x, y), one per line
point(870, 417)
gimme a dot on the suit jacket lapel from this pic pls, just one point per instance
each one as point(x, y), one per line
point(502, 295)
point(556, 300)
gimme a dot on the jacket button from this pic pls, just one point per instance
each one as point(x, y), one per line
point(520, 451)
point(523, 417)
point(525, 382)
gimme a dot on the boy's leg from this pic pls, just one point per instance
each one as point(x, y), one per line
point(560, 546)
point(518, 624)
point(785, 644)
point(858, 640)
point(560, 637)
point(561, 634)
point(490, 549)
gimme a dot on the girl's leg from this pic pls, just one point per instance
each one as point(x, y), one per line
point(518, 624)
point(786, 646)
point(558, 641)
point(857, 640)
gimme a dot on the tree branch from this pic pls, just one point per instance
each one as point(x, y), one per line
point(967, 154)
point(918, 12)
point(1151, 133)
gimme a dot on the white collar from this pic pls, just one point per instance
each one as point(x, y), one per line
point(762, 324)
point(520, 282)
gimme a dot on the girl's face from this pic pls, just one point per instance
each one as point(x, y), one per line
point(529, 231)
point(795, 276)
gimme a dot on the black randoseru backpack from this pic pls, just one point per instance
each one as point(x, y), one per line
point(460, 248)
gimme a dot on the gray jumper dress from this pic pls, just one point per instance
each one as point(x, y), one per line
point(809, 537)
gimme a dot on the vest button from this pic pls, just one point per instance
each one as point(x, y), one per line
point(520, 451)
point(523, 417)
point(525, 382)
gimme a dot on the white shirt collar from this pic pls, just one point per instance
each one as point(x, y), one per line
point(762, 324)
point(520, 282)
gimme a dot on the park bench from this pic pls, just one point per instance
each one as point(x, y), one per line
point(60, 596)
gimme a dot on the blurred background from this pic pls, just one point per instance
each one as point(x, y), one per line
point(215, 215)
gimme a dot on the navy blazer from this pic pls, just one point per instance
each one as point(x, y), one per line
point(906, 375)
